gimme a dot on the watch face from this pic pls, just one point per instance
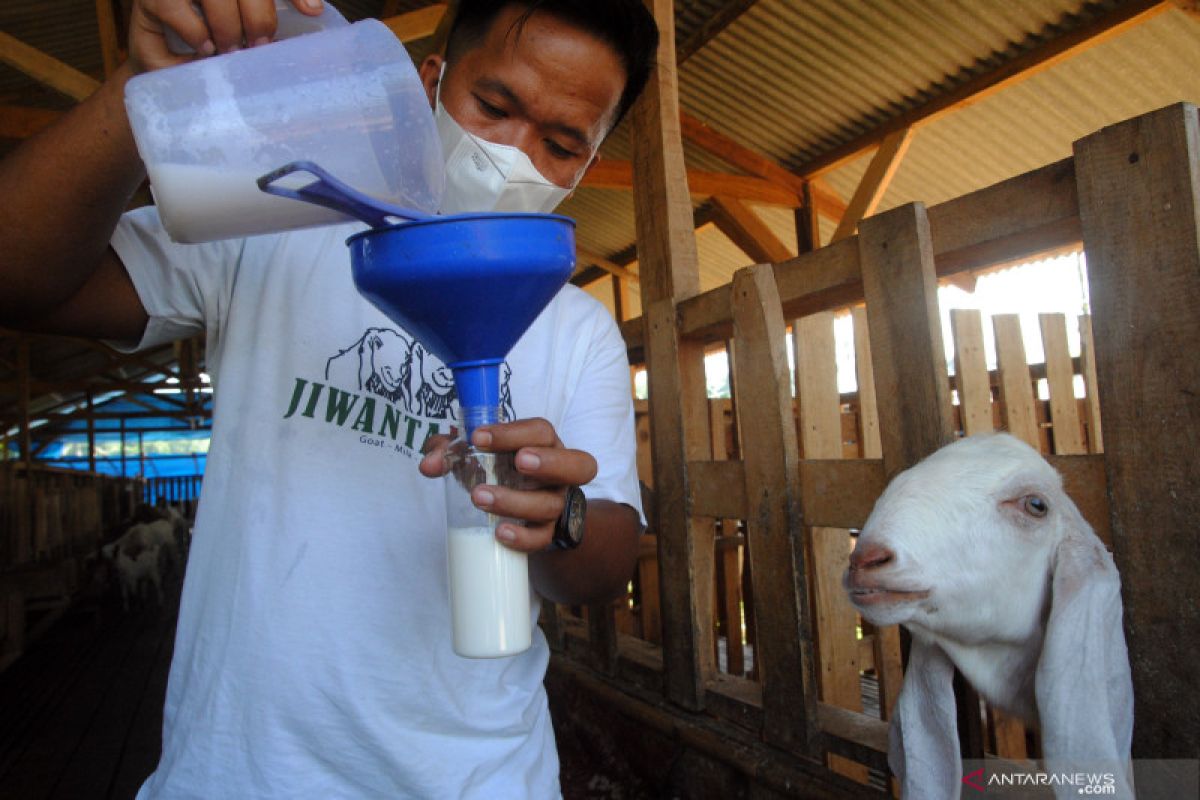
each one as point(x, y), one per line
point(574, 514)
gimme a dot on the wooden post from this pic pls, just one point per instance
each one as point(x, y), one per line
point(1139, 201)
point(900, 287)
point(1016, 386)
point(783, 644)
point(970, 371)
point(1087, 360)
point(1060, 376)
point(821, 438)
point(889, 668)
point(669, 272)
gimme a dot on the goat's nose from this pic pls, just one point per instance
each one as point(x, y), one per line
point(870, 556)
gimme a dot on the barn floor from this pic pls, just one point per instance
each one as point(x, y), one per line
point(81, 711)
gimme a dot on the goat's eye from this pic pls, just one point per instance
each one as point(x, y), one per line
point(1035, 505)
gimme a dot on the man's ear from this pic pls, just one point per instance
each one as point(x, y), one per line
point(430, 72)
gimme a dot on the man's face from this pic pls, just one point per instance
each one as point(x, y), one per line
point(551, 91)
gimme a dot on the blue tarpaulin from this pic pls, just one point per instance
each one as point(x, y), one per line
point(153, 446)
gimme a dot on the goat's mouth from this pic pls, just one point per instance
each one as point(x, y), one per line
point(879, 595)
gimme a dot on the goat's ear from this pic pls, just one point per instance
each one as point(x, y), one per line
point(923, 740)
point(1083, 687)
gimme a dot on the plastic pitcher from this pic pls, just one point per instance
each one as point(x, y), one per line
point(347, 97)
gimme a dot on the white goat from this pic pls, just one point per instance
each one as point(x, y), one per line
point(136, 561)
point(979, 552)
point(161, 534)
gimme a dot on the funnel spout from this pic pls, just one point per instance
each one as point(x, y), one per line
point(478, 386)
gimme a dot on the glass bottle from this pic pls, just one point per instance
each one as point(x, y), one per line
point(490, 603)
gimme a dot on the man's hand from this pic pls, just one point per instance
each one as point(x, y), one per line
point(601, 566)
point(546, 467)
point(225, 25)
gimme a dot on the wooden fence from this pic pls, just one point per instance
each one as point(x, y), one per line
point(754, 497)
point(50, 521)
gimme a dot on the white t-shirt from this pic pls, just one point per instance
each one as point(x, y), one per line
point(313, 652)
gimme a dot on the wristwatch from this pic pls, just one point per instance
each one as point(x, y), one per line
point(568, 531)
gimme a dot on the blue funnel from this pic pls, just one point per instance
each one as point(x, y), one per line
point(466, 286)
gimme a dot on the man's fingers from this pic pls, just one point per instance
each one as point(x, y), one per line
point(310, 7)
point(556, 465)
point(533, 506)
point(182, 18)
point(224, 20)
point(525, 538)
point(258, 22)
point(535, 432)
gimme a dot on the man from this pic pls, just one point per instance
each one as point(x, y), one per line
point(313, 650)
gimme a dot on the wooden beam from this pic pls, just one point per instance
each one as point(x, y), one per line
point(610, 174)
point(973, 89)
point(21, 122)
point(45, 69)
point(613, 268)
point(875, 182)
point(110, 43)
point(727, 13)
point(418, 24)
point(718, 144)
point(747, 230)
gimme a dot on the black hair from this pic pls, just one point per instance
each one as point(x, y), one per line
point(625, 25)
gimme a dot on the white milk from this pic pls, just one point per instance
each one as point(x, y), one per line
point(201, 204)
point(489, 595)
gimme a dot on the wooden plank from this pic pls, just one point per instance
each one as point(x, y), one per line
point(45, 69)
point(418, 24)
point(685, 543)
point(1060, 376)
point(784, 653)
point(821, 437)
point(1087, 359)
point(896, 255)
point(727, 559)
point(669, 271)
point(975, 86)
point(1015, 218)
point(889, 669)
point(899, 281)
point(874, 182)
point(612, 174)
point(970, 371)
point(1139, 198)
point(868, 411)
point(747, 230)
point(1016, 386)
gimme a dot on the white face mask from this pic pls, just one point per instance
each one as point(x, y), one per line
point(485, 176)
